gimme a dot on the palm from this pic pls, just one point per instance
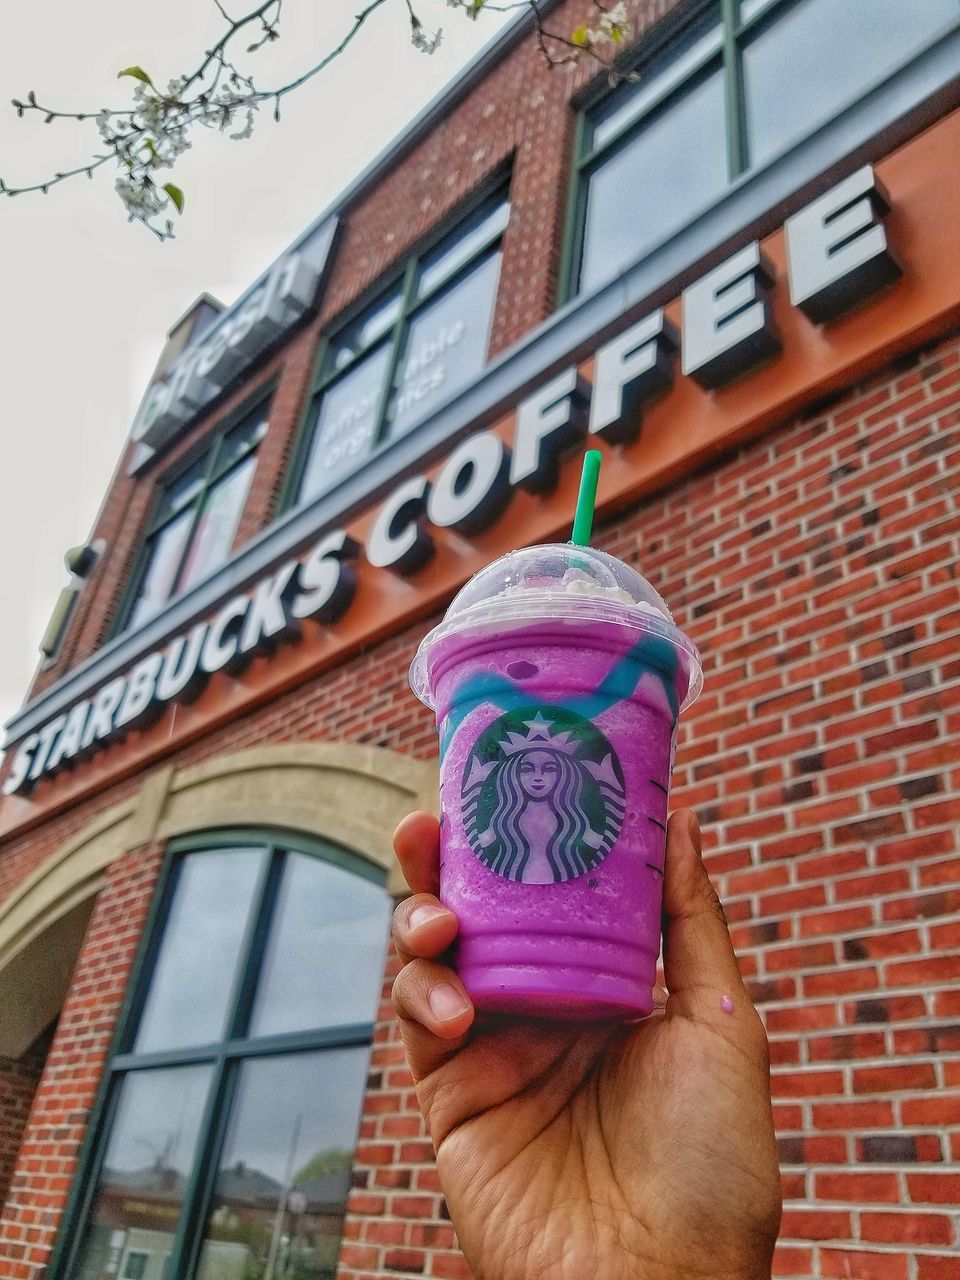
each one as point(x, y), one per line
point(581, 1151)
point(600, 1121)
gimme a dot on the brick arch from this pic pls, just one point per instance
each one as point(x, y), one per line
point(349, 794)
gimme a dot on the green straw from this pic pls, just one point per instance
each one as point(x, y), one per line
point(583, 519)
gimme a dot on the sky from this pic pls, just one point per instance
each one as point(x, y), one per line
point(87, 298)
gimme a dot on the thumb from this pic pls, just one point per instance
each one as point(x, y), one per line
point(697, 951)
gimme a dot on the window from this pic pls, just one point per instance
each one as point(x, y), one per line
point(424, 338)
point(745, 81)
point(195, 520)
point(231, 1112)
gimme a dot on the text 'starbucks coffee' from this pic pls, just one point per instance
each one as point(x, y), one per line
point(557, 677)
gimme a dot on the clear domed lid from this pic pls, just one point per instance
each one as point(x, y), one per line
point(556, 581)
point(562, 569)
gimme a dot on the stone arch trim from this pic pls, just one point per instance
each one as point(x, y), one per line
point(350, 794)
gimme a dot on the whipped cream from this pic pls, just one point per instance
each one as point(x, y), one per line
point(576, 582)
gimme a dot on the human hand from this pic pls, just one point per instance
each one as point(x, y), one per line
point(596, 1151)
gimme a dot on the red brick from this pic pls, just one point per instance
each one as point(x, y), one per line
point(839, 982)
point(838, 921)
point(831, 864)
point(895, 1078)
point(815, 1224)
point(806, 1084)
point(885, 882)
point(853, 1115)
point(874, 946)
point(906, 1228)
point(862, 1264)
point(450, 1266)
point(789, 1261)
point(801, 1017)
point(413, 1206)
point(936, 1268)
point(844, 1048)
point(930, 972)
point(923, 906)
point(790, 959)
point(947, 1003)
point(885, 1009)
point(409, 1261)
point(934, 1188)
point(858, 1188)
point(432, 1235)
point(793, 900)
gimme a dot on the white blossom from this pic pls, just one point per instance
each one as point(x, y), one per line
point(423, 40)
point(142, 201)
point(247, 129)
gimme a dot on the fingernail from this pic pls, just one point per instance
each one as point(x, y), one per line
point(446, 1002)
point(424, 914)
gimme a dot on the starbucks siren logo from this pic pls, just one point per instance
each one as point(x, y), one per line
point(543, 796)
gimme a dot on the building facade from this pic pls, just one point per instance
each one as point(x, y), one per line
point(736, 273)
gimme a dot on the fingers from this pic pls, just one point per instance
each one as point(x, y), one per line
point(422, 926)
point(433, 1009)
point(697, 952)
point(434, 1012)
point(417, 845)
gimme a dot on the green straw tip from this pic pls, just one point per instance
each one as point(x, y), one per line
point(586, 500)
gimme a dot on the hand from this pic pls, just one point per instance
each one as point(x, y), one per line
point(596, 1151)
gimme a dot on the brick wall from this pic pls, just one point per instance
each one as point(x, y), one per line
point(18, 1083)
point(816, 569)
point(47, 1158)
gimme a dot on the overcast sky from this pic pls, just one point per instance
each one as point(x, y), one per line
point(87, 298)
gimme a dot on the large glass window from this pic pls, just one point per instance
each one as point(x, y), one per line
point(231, 1112)
point(423, 339)
point(195, 520)
point(744, 81)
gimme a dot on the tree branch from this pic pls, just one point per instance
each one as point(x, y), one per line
point(152, 132)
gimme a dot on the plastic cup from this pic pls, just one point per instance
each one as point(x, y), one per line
point(557, 677)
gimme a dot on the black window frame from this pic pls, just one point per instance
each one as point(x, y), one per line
point(402, 278)
point(210, 449)
point(224, 1056)
point(685, 25)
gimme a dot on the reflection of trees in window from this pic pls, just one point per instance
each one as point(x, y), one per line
point(195, 520)
point(742, 82)
point(232, 1111)
point(423, 339)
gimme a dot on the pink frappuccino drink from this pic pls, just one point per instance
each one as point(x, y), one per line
point(557, 677)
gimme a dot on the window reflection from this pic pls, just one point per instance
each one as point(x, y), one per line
point(196, 966)
point(815, 57)
point(365, 330)
point(148, 1160)
point(196, 519)
point(163, 561)
point(284, 1174)
point(738, 85)
point(655, 181)
point(407, 353)
point(341, 923)
point(216, 524)
point(455, 252)
point(616, 112)
point(344, 424)
point(446, 346)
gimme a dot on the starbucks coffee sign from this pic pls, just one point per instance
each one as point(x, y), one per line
point(837, 257)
